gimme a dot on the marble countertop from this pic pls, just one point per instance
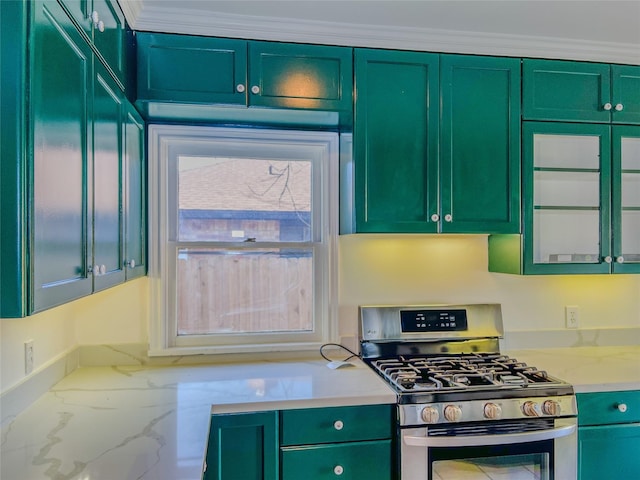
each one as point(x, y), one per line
point(152, 422)
point(588, 369)
point(142, 422)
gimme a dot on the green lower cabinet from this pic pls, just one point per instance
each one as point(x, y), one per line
point(352, 443)
point(243, 447)
point(609, 435)
point(348, 461)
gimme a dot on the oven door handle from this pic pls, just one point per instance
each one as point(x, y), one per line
point(482, 440)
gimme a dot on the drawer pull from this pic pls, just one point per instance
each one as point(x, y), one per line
point(338, 425)
point(338, 470)
point(622, 407)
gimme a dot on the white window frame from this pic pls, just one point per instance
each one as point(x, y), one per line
point(166, 143)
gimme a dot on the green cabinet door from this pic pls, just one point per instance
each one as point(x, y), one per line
point(60, 101)
point(134, 195)
point(609, 451)
point(109, 37)
point(190, 69)
point(13, 167)
point(480, 144)
point(625, 80)
point(108, 264)
point(625, 203)
point(566, 91)
point(396, 141)
point(243, 446)
point(311, 77)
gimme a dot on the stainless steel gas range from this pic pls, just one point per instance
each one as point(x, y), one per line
point(464, 409)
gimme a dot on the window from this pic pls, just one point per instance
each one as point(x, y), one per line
point(242, 227)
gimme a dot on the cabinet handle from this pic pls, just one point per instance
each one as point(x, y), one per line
point(620, 259)
point(622, 407)
point(103, 269)
point(240, 88)
point(338, 425)
point(608, 259)
point(619, 107)
point(607, 106)
point(95, 17)
point(448, 217)
point(338, 470)
point(101, 26)
point(131, 263)
point(435, 217)
point(255, 89)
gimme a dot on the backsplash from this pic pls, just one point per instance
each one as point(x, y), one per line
point(373, 269)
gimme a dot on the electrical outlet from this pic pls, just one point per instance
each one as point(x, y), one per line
point(28, 357)
point(572, 316)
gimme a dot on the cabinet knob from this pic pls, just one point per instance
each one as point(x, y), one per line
point(607, 106)
point(240, 88)
point(95, 17)
point(338, 425)
point(608, 259)
point(435, 217)
point(255, 89)
point(338, 470)
point(103, 269)
point(131, 263)
point(448, 217)
point(622, 407)
point(620, 259)
point(619, 107)
point(101, 26)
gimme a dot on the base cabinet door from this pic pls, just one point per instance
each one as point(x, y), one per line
point(348, 461)
point(609, 451)
point(243, 447)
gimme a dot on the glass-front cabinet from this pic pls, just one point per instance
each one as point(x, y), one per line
point(582, 198)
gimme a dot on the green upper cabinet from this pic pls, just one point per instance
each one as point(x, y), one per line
point(60, 110)
point(104, 26)
point(135, 212)
point(581, 92)
point(480, 144)
point(581, 194)
point(181, 76)
point(189, 69)
point(396, 141)
point(65, 212)
point(436, 143)
point(311, 77)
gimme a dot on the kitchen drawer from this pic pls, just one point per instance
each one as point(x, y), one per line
point(337, 424)
point(348, 461)
point(606, 407)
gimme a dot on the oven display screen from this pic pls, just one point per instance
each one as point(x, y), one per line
point(433, 320)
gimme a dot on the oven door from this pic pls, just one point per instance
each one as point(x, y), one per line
point(541, 449)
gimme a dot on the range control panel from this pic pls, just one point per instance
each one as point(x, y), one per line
point(414, 321)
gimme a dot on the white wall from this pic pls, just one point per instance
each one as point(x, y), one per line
point(372, 269)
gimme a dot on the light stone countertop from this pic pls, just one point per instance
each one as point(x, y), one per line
point(121, 423)
point(141, 422)
point(588, 369)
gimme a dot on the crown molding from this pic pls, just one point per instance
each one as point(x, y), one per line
point(198, 22)
point(131, 9)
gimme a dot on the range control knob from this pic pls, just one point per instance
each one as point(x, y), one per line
point(492, 411)
point(531, 409)
point(453, 413)
point(430, 415)
point(551, 407)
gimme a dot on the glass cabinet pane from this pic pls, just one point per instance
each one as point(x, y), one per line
point(578, 189)
point(566, 151)
point(566, 236)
